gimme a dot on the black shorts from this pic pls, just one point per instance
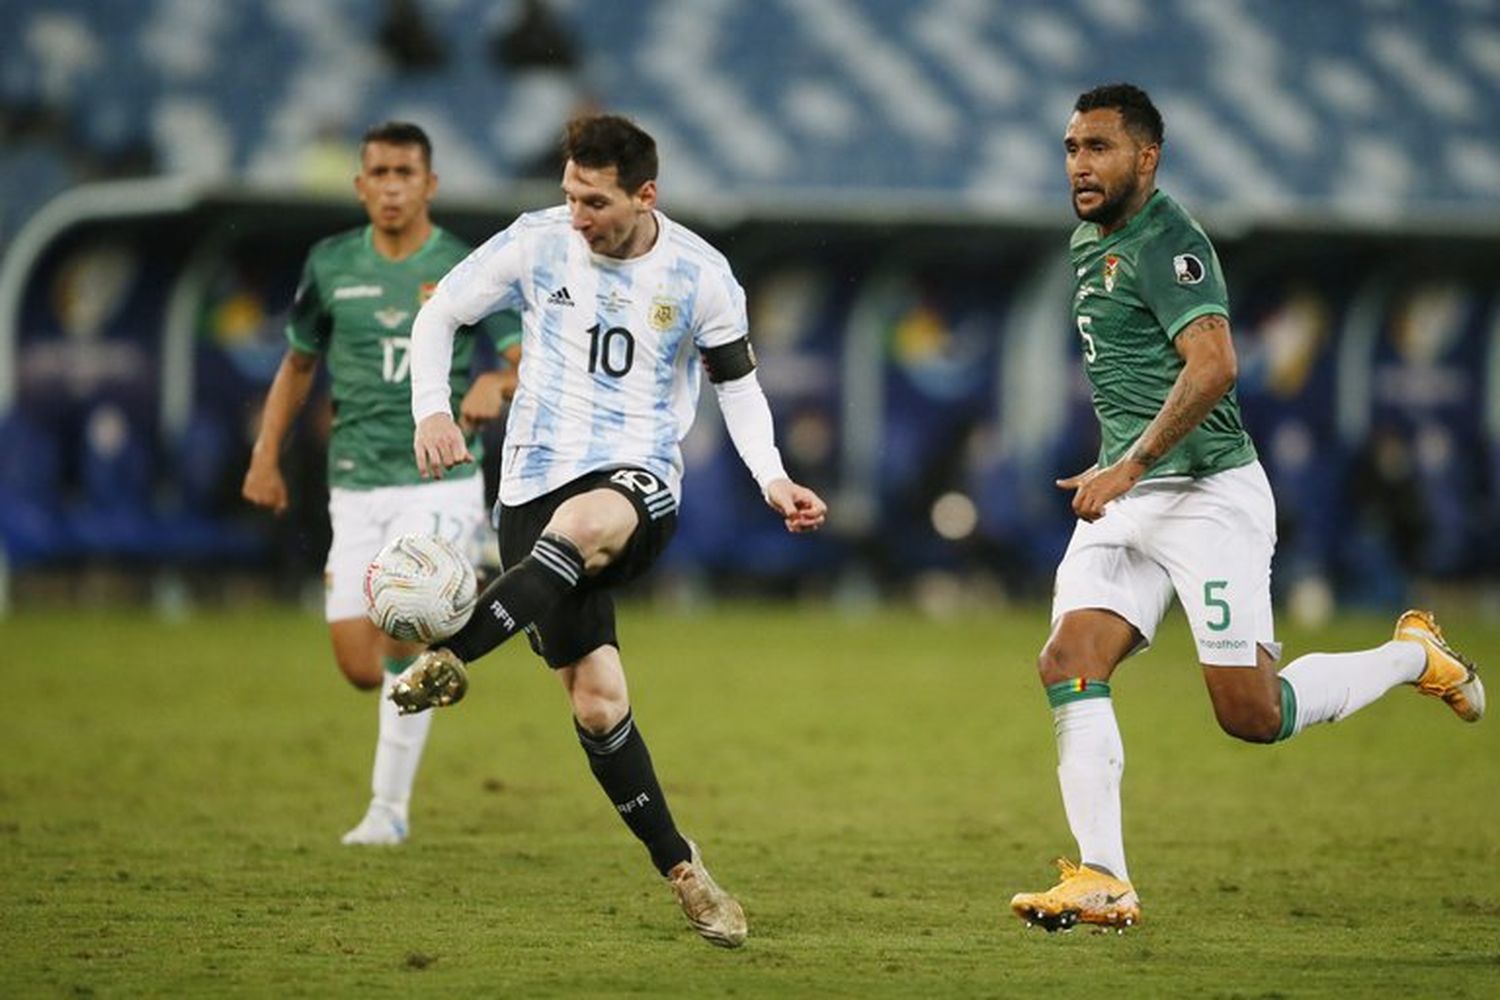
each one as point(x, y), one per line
point(585, 620)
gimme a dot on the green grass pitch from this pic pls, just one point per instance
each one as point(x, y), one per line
point(873, 789)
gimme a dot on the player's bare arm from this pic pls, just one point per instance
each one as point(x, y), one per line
point(264, 485)
point(1209, 370)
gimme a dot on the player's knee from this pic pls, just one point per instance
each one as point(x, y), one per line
point(1058, 662)
point(1251, 723)
point(363, 675)
point(597, 527)
point(598, 713)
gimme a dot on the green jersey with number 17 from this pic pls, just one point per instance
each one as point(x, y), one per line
point(1134, 291)
point(355, 306)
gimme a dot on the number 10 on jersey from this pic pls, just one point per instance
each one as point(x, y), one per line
point(611, 351)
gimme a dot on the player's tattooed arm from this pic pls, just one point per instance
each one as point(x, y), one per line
point(1208, 373)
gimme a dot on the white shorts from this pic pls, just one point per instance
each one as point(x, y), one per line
point(1208, 540)
point(364, 520)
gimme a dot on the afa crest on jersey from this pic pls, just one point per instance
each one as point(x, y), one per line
point(663, 314)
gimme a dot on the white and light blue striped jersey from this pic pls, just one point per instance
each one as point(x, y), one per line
point(609, 371)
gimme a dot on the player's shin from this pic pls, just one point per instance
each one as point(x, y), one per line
point(622, 766)
point(1090, 764)
point(518, 597)
point(399, 749)
point(1326, 687)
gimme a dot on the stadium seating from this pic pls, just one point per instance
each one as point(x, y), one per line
point(1350, 106)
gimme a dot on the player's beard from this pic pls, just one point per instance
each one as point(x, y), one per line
point(1108, 212)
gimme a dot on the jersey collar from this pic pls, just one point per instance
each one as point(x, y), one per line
point(431, 241)
point(1157, 199)
point(662, 225)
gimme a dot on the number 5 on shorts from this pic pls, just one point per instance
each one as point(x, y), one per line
point(1209, 600)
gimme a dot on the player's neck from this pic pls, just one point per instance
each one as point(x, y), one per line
point(403, 243)
point(1131, 210)
point(646, 233)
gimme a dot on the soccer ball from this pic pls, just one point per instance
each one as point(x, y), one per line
point(419, 588)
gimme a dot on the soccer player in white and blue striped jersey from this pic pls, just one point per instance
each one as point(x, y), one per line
point(622, 312)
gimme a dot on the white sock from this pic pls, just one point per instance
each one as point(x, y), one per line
point(1090, 761)
point(398, 751)
point(1331, 686)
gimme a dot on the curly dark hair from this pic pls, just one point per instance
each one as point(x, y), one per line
point(1134, 104)
point(599, 141)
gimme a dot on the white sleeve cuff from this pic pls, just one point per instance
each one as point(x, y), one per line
point(747, 416)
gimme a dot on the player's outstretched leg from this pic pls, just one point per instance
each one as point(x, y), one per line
point(1084, 895)
point(1328, 687)
point(1447, 674)
point(512, 601)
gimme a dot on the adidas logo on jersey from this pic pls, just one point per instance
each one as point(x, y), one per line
point(560, 297)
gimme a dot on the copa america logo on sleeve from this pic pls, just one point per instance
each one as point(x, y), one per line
point(1189, 269)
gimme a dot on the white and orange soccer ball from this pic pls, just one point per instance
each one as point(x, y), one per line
point(419, 588)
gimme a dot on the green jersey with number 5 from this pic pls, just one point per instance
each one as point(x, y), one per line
point(1134, 291)
point(356, 306)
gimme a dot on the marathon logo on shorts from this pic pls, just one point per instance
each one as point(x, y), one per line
point(1224, 643)
point(656, 496)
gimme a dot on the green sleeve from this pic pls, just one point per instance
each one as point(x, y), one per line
point(502, 328)
point(310, 324)
point(1179, 279)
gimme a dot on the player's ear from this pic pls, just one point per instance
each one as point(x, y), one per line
point(645, 195)
point(432, 183)
point(1149, 157)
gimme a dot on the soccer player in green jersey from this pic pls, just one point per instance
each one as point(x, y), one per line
point(1177, 504)
point(359, 292)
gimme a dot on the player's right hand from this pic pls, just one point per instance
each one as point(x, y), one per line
point(265, 487)
point(439, 445)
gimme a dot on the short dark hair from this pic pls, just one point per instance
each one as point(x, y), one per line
point(599, 141)
point(1135, 107)
point(399, 134)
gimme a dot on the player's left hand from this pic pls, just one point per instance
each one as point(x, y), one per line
point(1096, 487)
point(800, 508)
point(486, 398)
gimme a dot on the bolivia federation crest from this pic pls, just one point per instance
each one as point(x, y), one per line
point(424, 292)
point(1111, 267)
point(663, 313)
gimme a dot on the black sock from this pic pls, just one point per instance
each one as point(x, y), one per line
point(622, 766)
point(518, 597)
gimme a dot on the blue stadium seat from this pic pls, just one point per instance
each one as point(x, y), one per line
point(31, 494)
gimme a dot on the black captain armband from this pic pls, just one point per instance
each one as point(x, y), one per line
point(730, 361)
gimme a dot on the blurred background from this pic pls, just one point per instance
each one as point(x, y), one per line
point(885, 176)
